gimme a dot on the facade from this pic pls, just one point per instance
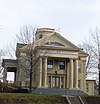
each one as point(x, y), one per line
point(55, 62)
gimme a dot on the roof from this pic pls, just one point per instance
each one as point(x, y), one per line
point(12, 61)
point(54, 37)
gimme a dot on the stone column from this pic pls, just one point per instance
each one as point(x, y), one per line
point(63, 82)
point(5, 74)
point(84, 75)
point(51, 82)
point(60, 82)
point(76, 73)
point(45, 72)
point(71, 73)
point(68, 75)
point(40, 76)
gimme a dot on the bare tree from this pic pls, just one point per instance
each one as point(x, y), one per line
point(28, 62)
point(2, 54)
point(26, 35)
point(92, 47)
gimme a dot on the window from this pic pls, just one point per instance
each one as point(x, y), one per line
point(79, 83)
point(50, 64)
point(55, 82)
point(62, 64)
point(54, 44)
point(40, 36)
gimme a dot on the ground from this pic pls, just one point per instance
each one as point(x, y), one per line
point(12, 98)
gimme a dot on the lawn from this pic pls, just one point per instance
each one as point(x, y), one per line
point(15, 98)
point(92, 99)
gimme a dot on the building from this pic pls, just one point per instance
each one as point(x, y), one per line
point(55, 62)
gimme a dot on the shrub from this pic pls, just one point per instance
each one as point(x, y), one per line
point(19, 90)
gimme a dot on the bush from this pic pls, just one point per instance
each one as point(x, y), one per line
point(19, 90)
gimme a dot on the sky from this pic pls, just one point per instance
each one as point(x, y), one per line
point(73, 18)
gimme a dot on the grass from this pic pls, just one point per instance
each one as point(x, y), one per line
point(14, 98)
point(92, 99)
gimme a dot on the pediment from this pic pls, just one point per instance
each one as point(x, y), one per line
point(58, 41)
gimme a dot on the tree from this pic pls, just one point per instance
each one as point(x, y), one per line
point(2, 54)
point(92, 47)
point(28, 63)
point(29, 60)
point(27, 37)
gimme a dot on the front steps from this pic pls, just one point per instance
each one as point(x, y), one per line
point(58, 91)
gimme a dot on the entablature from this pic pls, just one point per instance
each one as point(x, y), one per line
point(9, 63)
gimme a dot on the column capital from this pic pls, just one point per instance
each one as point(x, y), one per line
point(74, 59)
point(71, 58)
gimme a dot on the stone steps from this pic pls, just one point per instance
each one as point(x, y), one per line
point(73, 100)
point(57, 91)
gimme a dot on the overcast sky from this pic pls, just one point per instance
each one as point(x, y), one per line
point(74, 18)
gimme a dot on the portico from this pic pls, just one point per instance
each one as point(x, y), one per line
point(58, 72)
point(9, 66)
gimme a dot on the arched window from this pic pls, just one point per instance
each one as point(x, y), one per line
point(40, 36)
point(54, 44)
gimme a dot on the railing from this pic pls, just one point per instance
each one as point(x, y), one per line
point(73, 100)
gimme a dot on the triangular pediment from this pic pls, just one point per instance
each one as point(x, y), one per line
point(58, 41)
point(55, 40)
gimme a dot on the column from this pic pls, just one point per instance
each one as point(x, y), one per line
point(45, 72)
point(68, 75)
point(60, 82)
point(71, 73)
point(40, 76)
point(51, 82)
point(76, 73)
point(63, 82)
point(84, 74)
point(5, 74)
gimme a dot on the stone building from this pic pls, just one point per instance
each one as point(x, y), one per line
point(55, 62)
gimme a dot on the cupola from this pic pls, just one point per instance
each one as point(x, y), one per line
point(41, 32)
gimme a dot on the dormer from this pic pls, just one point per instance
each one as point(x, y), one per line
point(41, 32)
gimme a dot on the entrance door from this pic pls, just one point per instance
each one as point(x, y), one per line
point(56, 82)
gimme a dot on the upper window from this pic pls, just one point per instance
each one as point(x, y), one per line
point(40, 36)
point(62, 64)
point(50, 64)
point(54, 44)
